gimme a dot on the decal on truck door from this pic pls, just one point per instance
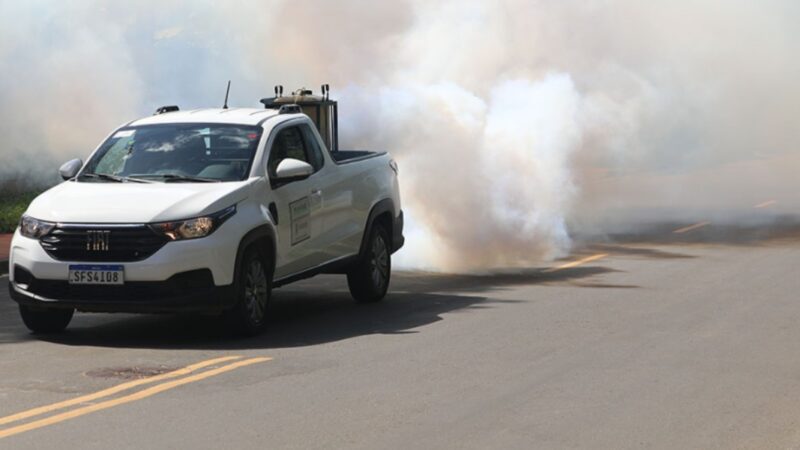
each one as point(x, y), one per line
point(299, 212)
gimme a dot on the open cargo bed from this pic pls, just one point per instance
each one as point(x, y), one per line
point(346, 156)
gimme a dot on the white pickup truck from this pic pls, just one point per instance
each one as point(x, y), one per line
point(206, 211)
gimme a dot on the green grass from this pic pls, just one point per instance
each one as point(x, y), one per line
point(12, 204)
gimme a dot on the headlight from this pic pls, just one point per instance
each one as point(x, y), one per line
point(34, 228)
point(193, 228)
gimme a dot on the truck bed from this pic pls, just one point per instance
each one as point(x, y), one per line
point(346, 156)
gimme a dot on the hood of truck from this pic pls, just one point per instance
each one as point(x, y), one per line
point(108, 202)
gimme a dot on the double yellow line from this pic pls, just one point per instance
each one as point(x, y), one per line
point(90, 407)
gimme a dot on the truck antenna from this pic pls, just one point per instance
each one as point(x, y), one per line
point(227, 91)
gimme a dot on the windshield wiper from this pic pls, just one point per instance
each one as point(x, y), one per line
point(167, 177)
point(115, 178)
point(174, 177)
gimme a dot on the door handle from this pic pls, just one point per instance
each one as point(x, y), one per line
point(316, 192)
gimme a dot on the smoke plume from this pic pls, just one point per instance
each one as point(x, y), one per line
point(516, 124)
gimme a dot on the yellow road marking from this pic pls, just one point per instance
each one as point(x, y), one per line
point(572, 264)
point(691, 227)
point(149, 392)
point(113, 390)
point(765, 204)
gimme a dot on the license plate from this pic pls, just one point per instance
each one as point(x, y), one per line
point(96, 274)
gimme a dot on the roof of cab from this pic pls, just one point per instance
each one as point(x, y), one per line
point(239, 116)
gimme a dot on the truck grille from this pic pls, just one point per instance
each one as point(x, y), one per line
point(102, 243)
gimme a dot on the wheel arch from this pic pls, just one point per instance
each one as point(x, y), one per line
point(383, 214)
point(264, 238)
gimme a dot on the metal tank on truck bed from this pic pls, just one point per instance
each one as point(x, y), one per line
point(319, 108)
point(323, 111)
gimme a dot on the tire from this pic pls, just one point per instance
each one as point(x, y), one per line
point(369, 279)
point(45, 320)
point(253, 291)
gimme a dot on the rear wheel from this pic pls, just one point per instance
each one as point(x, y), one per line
point(253, 289)
point(45, 320)
point(369, 279)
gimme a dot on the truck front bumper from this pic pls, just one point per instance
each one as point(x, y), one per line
point(191, 276)
point(186, 292)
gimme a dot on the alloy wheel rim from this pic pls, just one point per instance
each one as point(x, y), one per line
point(379, 262)
point(255, 291)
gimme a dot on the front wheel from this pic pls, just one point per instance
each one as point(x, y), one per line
point(369, 279)
point(45, 320)
point(253, 290)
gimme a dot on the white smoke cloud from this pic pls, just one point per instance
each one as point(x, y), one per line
point(516, 123)
point(51, 100)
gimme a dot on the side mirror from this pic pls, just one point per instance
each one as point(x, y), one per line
point(291, 169)
point(70, 169)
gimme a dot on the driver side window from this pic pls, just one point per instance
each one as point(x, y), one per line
point(288, 144)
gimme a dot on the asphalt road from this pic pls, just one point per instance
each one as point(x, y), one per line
point(690, 341)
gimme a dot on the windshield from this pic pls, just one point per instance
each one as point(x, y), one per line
point(175, 152)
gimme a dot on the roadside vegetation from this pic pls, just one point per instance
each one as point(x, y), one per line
point(14, 199)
